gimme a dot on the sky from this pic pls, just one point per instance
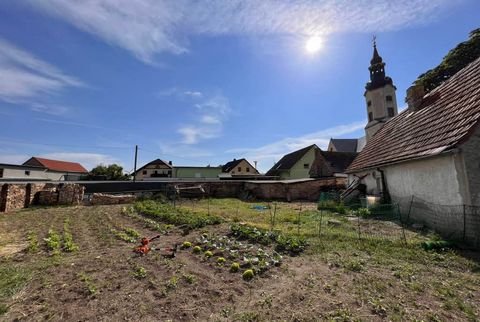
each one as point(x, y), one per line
point(202, 82)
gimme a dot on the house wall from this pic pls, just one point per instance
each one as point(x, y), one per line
point(150, 170)
point(298, 171)
point(438, 180)
point(16, 173)
point(196, 172)
point(243, 165)
point(471, 154)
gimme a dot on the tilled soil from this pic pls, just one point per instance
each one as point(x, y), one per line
point(101, 281)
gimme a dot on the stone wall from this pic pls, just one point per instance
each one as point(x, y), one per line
point(106, 199)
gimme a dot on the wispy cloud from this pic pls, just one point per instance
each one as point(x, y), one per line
point(24, 79)
point(210, 115)
point(268, 154)
point(149, 27)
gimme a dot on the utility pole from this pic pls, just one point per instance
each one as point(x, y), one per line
point(135, 164)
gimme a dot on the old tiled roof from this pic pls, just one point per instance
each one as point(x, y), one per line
point(339, 161)
point(227, 167)
point(345, 145)
point(446, 118)
point(327, 163)
point(159, 162)
point(56, 165)
point(288, 161)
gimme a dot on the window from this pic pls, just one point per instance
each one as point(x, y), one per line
point(389, 98)
point(369, 103)
point(390, 112)
point(1, 173)
point(306, 165)
point(247, 169)
point(370, 116)
point(144, 172)
point(27, 172)
point(239, 169)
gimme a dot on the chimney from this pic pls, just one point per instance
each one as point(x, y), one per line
point(414, 98)
point(170, 163)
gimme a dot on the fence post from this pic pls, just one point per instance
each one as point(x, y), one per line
point(401, 223)
point(298, 220)
point(358, 220)
point(409, 209)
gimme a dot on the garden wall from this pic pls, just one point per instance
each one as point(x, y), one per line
point(17, 196)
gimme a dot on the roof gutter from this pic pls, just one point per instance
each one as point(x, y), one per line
point(375, 167)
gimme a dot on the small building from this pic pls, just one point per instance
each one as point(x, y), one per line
point(207, 172)
point(311, 162)
point(154, 170)
point(240, 167)
point(37, 168)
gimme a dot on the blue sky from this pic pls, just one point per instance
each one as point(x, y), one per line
point(203, 82)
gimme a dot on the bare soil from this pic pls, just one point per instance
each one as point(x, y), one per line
point(103, 280)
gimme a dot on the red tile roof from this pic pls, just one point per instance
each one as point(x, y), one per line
point(447, 116)
point(56, 165)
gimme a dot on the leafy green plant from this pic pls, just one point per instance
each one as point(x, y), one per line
point(189, 278)
point(123, 236)
point(53, 241)
point(68, 244)
point(196, 250)
point(139, 272)
point(186, 244)
point(172, 283)
point(254, 234)
point(90, 286)
point(221, 260)
point(32, 242)
point(175, 215)
point(235, 267)
point(132, 232)
point(363, 212)
point(290, 244)
point(248, 274)
point(208, 254)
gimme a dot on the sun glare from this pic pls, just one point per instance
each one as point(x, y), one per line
point(313, 44)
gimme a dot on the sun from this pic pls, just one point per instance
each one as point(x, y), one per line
point(313, 44)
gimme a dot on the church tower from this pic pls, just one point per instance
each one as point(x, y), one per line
point(379, 95)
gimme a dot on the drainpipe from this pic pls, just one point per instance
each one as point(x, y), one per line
point(385, 193)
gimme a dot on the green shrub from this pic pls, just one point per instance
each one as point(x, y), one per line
point(235, 267)
point(221, 260)
point(341, 209)
point(186, 244)
point(196, 250)
point(248, 274)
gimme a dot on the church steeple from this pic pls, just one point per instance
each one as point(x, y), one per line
point(379, 95)
point(377, 70)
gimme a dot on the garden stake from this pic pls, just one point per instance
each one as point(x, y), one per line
point(298, 220)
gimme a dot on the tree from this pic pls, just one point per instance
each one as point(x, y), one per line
point(109, 172)
point(456, 59)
